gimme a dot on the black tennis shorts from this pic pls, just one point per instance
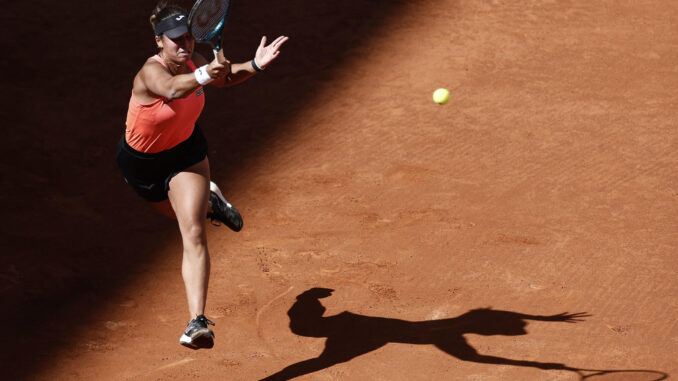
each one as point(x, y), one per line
point(149, 174)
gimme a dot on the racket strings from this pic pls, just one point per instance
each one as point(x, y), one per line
point(206, 17)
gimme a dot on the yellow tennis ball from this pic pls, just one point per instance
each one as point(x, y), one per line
point(441, 96)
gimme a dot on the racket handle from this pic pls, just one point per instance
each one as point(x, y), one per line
point(215, 53)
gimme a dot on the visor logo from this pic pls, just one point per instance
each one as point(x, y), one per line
point(180, 17)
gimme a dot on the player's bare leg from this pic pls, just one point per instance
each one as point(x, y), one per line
point(188, 195)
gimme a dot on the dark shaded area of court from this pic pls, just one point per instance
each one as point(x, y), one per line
point(73, 232)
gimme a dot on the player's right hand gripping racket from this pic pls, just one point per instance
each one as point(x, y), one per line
point(207, 19)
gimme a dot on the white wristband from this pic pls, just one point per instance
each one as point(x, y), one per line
point(202, 76)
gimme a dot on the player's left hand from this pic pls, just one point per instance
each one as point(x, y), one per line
point(266, 54)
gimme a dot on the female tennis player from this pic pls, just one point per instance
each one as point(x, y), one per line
point(163, 153)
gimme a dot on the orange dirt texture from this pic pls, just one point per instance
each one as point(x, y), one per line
point(523, 231)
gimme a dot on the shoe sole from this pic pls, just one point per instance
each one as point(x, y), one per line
point(201, 340)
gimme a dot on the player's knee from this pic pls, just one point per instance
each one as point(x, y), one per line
point(193, 233)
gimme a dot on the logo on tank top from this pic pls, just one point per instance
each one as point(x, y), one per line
point(200, 91)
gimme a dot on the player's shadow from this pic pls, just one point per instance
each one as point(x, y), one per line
point(350, 335)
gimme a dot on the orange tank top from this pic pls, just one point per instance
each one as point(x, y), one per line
point(162, 124)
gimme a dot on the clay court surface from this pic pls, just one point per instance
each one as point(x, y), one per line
point(547, 187)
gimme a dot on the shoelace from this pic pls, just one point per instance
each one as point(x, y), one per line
point(205, 320)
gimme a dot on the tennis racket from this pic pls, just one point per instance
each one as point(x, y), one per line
point(207, 19)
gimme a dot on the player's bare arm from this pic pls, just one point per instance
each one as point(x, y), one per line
point(154, 81)
point(240, 72)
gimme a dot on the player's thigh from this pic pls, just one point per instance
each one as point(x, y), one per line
point(188, 194)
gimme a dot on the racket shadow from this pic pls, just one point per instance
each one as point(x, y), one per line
point(619, 374)
point(351, 335)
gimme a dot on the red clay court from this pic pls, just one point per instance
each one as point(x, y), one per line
point(532, 221)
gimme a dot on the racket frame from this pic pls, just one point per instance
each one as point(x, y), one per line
point(217, 30)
